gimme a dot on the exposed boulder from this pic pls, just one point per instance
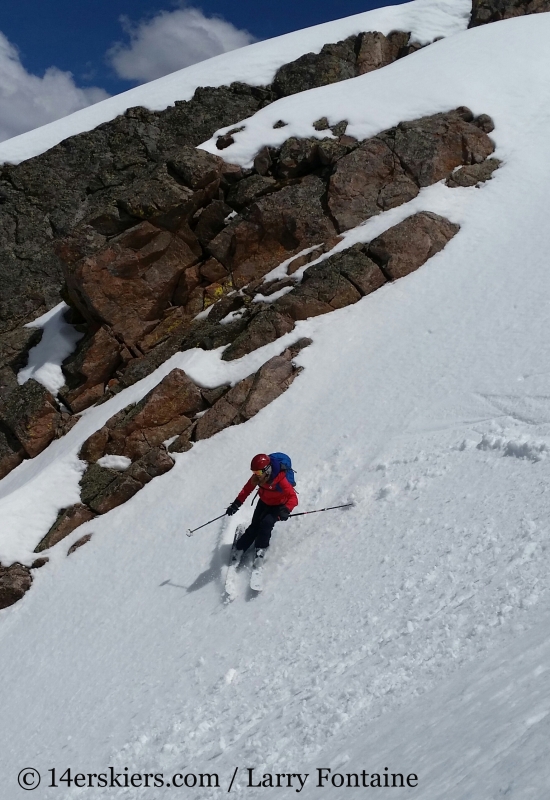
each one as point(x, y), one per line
point(30, 413)
point(153, 193)
point(154, 463)
point(389, 169)
point(197, 168)
point(213, 271)
point(164, 412)
point(141, 429)
point(115, 493)
point(67, 521)
point(264, 327)
point(408, 245)
point(473, 174)
point(249, 189)
point(102, 489)
point(323, 290)
point(357, 268)
point(297, 157)
point(375, 50)
point(95, 481)
point(335, 62)
point(340, 280)
point(249, 396)
point(211, 221)
point(90, 367)
point(225, 412)
point(348, 58)
point(14, 582)
point(484, 11)
point(301, 261)
point(430, 148)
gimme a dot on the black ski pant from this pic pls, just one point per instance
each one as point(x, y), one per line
point(260, 529)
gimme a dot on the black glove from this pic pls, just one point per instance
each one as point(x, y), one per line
point(233, 508)
point(284, 513)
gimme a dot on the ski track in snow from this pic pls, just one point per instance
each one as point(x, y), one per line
point(407, 632)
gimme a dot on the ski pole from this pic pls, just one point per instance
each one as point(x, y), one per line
point(317, 510)
point(191, 532)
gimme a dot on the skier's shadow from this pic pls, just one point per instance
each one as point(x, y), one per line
point(220, 558)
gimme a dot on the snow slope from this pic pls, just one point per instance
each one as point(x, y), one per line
point(408, 632)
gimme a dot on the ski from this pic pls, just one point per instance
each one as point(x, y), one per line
point(231, 577)
point(257, 575)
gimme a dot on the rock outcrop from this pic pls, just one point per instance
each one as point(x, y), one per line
point(128, 169)
point(484, 11)
point(349, 58)
point(170, 418)
point(139, 291)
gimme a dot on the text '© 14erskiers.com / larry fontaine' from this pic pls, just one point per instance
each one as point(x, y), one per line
point(242, 778)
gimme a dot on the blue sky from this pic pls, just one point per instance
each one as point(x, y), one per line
point(111, 45)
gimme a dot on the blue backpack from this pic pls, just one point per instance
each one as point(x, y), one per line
point(286, 466)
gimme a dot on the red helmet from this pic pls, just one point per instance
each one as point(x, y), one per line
point(260, 462)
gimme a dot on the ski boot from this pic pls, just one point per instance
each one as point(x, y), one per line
point(259, 556)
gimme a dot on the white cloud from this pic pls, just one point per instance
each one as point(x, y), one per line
point(173, 40)
point(28, 101)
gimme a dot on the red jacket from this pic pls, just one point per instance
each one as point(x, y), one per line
point(278, 492)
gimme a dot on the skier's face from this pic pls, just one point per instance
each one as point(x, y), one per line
point(263, 475)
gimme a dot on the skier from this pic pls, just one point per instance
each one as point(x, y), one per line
point(277, 499)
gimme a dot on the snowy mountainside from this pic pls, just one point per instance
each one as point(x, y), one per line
point(380, 628)
point(255, 64)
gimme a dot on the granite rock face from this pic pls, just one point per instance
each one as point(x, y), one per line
point(110, 177)
point(11, 452)
point(275, 227)
point(130, 168)
point(366, 182)
point(207, 246)
point(340, 280)
point(292, 218)
point(129, 282)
